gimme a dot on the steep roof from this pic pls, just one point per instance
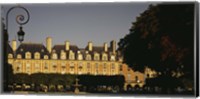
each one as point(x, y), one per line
point(32, 48)
point(9, 49)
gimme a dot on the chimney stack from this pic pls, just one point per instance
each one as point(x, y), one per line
point(105, 47)
point(49, 44)
point(67, 45)
point(14, 45)
point(113, 46)
point(90, 46)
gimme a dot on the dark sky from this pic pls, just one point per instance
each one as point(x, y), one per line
point(77, 23)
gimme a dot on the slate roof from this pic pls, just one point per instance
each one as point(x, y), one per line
point(59, 48)
point(32, 48)
point(9, 49)
point(35, 47)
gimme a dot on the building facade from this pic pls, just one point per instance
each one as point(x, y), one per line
point(69, 59)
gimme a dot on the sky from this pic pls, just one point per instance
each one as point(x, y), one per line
point(78, 23)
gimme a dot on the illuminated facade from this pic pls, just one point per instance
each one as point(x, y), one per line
point(69, 59)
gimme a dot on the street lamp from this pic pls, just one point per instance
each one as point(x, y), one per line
point(20, 34)
point(20, 20)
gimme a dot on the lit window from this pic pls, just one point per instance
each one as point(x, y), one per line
point(37, 67)
point(80, 57)
point(112, 58)
point(28, 68)
point(54, 56)
point(19, 56)
point(37, 55)
point(46, 57)
point(88, 57)
point(28, 55)
point(63, 55)
point(104, 57)
point(10, 56)
point(96, 56)
point(71, 55)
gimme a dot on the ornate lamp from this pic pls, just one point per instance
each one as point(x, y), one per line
point(20, 34)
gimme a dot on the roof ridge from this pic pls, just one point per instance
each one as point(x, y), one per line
point(32, 43)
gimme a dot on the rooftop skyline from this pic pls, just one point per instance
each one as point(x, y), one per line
point(77, 23)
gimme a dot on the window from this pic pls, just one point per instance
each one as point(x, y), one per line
point(96, 64)
point(104, 57)
point(46, 56)
point(112, 58)
point(96, 56)
point(113, 66)
point(37, 67)
point(104, 68)
point(28, 68)
point(80, 67)
point(10, 56)
point(37, 55)
point(54, 67)
point(71, 68)
point(88, 57)
point(71, 55)
point(88, 67)
point(46, 67)
point(19, 67)
point(104, 65)
point(54, 56)
point(63, 55)
point(19, 56)
point(28, 55)
point(80, 57)
point(129, 76)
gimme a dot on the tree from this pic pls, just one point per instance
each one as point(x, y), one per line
point(162, 39)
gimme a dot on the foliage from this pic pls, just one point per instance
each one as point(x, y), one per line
point(41, 78)
point(162, 39)
point(91, 80)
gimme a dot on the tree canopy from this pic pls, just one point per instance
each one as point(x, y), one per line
point(162, 38)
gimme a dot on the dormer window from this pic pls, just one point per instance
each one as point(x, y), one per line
point(19, 56)
point(10, 56)
point(112, 58)
point(46, 57)
point(96, 56)
point(80, 57)
point(28, 55)
point(37, 55)
point(54, 56)
point(71, 55)
point(63, 55)
point(88, 57)
point(104, 57)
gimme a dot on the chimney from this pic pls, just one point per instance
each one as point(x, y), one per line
point(14, 45)
point(113, 46)
point(105, 47)
point(67, 45)
point(90, 46)
point(49, 44)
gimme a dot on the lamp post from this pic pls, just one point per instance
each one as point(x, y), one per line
point(20, 19)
